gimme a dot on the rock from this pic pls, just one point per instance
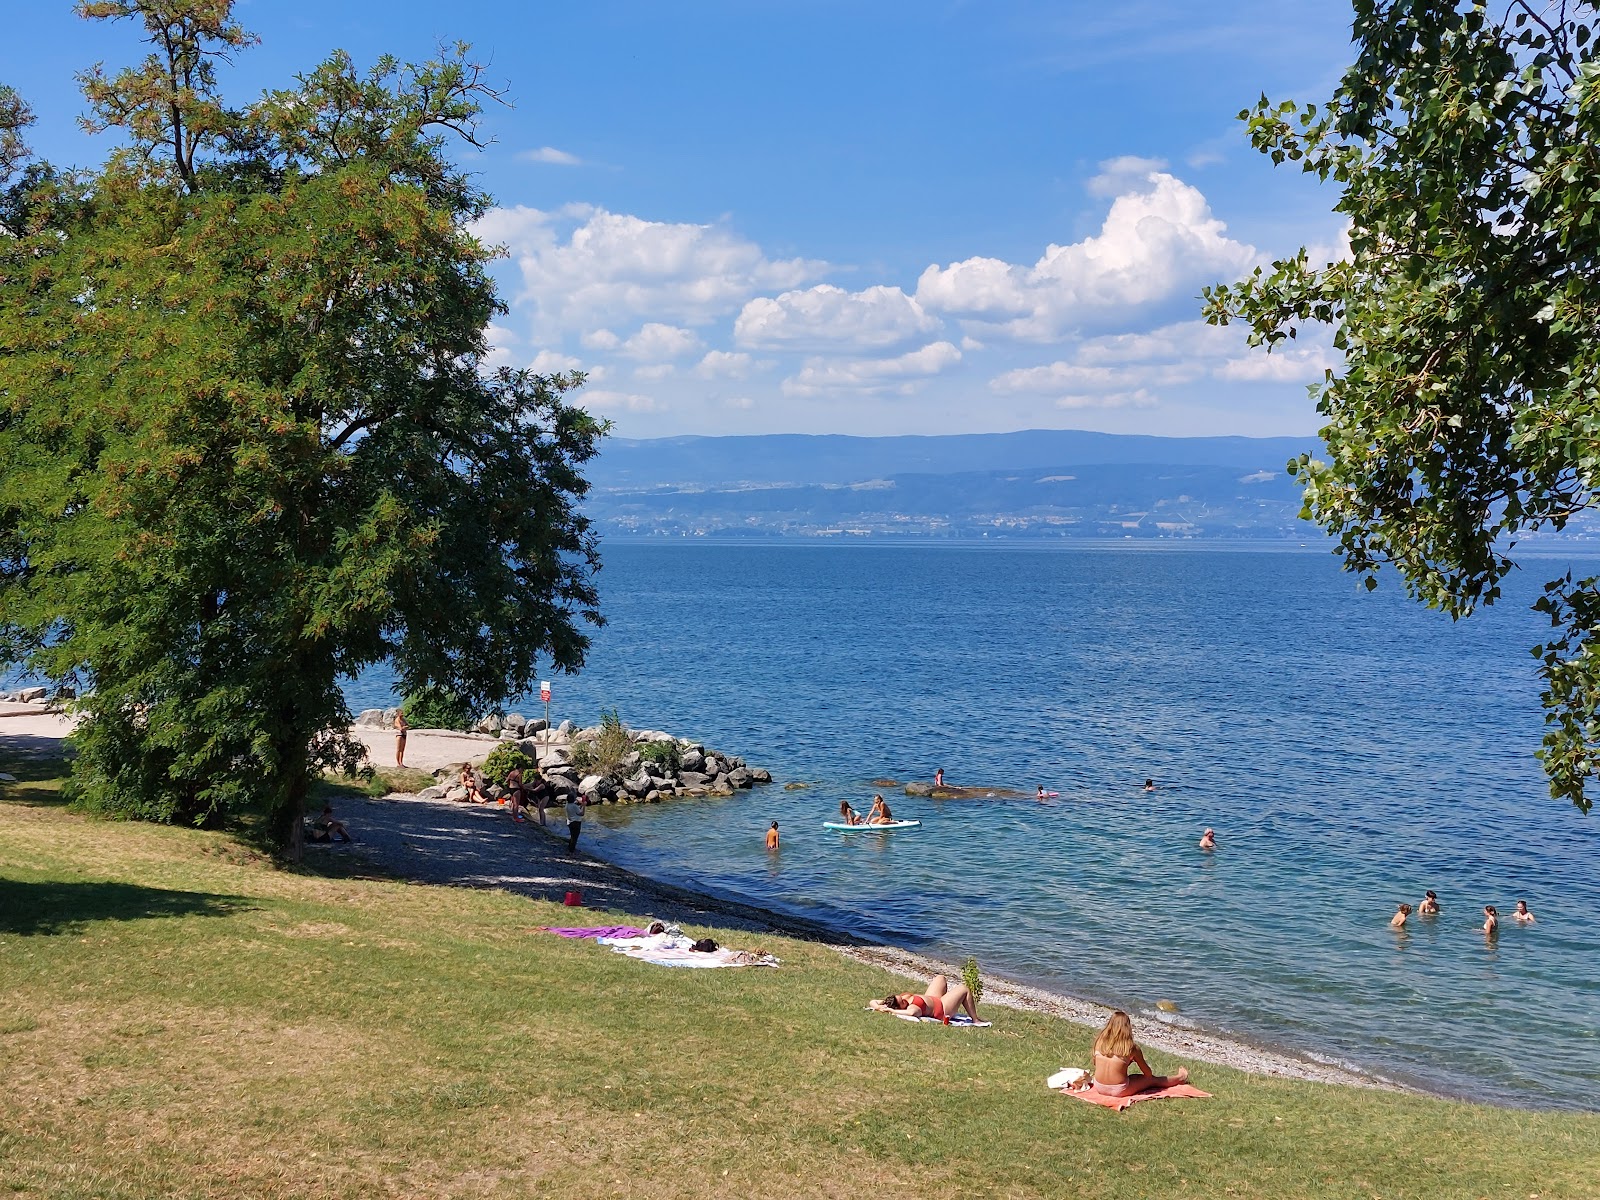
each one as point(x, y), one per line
point(28, 695)
point(652, 735)
point(631, 761)
point(518, 722)
point(564, 729)
point(692, 779)
point(1167, 1005)
point(715, 765)
point(537, 725)
point(692, 760)
point(532, 747)
point(494, 791)
point(590, 784)
point(740, 777)
point(371, 718)
point(456, 793)
point(720, 787)
point(638, 785)
point(489, 724)
point(388, 716)
point(450, 770)
point(885, 783)
point(735, 762)
point(761, 775)
point(919, 789)
point(432, 793)
point(796, 787)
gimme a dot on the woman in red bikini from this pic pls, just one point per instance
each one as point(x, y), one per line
point(1115, 1052)
point(941, 1001)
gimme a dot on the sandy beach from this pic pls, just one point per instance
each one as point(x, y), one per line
point(443, 843)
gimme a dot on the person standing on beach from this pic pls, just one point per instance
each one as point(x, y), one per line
point(772, 837)
point(575, 803)
point(400, 727)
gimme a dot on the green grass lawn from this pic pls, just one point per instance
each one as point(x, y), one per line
point(181, 1017)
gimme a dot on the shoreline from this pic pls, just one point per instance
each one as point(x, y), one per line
point(445, 843)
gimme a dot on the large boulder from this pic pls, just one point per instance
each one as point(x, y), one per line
point(919, 789)
point(370, 718)
point(638, 784)
point(693, 759)
point(565, 729)
point(760, 775)
point(537, 725)
point(693, 779)
point(456, 793)
point(517, 723)
point(450, 771)
point(631, 761)
point(740, 777)
point(433, 793)
point(590, 785)
point(735, 761)
point(489, 724)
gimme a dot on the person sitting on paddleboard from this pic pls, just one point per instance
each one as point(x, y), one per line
point(941, 1001)
point(849, 815)
point(880, 814)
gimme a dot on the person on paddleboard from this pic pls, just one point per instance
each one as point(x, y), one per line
point(849, 815)
point(880, 814)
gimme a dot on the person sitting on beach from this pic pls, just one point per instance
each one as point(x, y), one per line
point(1429, 906)
point(938, 777)
point(1399, 919)
point(880, 814)
point(848, 815)
point(473, 782)
point(1491, 919)
point(941, 999)
point(1522, 916)
point(326, 829)
point(1115, 1052)
point(1208, 840)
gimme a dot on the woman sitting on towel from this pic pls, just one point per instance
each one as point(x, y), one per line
point(1115, 1052)
point(847, 814)
point(880, 814)
point(940, 1001)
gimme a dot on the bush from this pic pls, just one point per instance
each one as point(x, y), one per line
point(504, 759)
point(602, 753)
point(668, 754)
point(437, 708)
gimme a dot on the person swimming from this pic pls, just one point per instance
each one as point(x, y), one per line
point(1208, 840)
point(847, 814)
point(1491, 919)
point(1429, 906)
point(1041, 794)
point(1149, 785)
point(1398, 921)
point(1115, 1051)
point(1522, 916)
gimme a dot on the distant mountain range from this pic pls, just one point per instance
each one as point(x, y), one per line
point(1039, 483)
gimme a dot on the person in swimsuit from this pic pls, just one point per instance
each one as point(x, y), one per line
point(1149, 785)
point(880, 814)
point(847, 814)
point(1115, 1052)
point(516, 792)
point(400, 727)
point(1429, 906)
point(1208, 840)
point(941, 1001)
point(938, 777)
point(1522, 916)
point(1491, 920)
point(1398, 921)
point(772, 837)
point(1040, 796)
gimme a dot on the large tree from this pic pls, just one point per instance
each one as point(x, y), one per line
point(250, 447)
point(1465, 141)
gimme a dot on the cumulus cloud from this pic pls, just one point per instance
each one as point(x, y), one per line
point(549, 154)
point(1125, 173)
point(656, 342)
point(1159, 241)
point(1058, 375)
point(583, 267)
point(619, 401)
point(1303, 365)
point(724, 364)
point(869, 376)
point(1135, 399)
point(826, 316)
point(551, 362)
point(601, 339)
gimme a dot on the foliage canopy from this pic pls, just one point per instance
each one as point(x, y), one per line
point(251, 448)
point(1467, 414)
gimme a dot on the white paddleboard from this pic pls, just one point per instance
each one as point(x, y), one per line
point(843, 828)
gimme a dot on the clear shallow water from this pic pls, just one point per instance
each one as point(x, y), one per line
point(1351, 750)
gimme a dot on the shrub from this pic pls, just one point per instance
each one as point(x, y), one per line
point(504, 759)
point(668, 754)
point(969, 976)
point(436, 708)
point(602, 753)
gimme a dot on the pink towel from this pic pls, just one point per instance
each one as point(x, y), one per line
point(599, 932)
point(1178, 1091)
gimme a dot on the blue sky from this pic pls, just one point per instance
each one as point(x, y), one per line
point(857, 217)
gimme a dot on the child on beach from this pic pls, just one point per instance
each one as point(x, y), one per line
point(1115, 1052)
point(1522, 916)
point(1429, 906)
point(1398, 921)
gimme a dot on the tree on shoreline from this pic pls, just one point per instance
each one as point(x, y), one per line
point(249, 446)
point(1468, 311)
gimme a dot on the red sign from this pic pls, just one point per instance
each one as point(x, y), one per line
point(544, 690)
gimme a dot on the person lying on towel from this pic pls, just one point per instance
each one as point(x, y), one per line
point(941, 1001)
point(1115, 1052)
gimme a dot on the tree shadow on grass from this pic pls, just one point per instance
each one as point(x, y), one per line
point(37, 767)
point(54, 907)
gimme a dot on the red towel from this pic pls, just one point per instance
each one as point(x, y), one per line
point(1178, 1091)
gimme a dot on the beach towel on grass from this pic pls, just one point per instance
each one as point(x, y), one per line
point(1178, 1091)
point(673, 950)
point(959, 1021)
point(599, 931)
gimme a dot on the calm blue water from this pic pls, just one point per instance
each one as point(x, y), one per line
point(1351, 750)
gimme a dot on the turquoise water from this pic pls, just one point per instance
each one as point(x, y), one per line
point(1351, 750)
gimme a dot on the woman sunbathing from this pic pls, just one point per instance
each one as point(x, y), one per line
point(1115, 1052)
point(940, 1001)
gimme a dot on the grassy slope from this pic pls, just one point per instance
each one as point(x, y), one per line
point(179, 1017)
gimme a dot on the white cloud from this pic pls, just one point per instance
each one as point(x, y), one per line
point(619, 401)
point(658, 371)
point(601, 339)
point(1303, 365)
point(550, 362)
point(656, 342)
point(1135, 399)
point(743, 403)
point(1159, 241)
point(1124, 173)
point(724, 364)
point(826, 316)
point(549, 154)
point(583, 267)
point(870, 376)
point(1059, 375)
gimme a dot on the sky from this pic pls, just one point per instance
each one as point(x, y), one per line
point(802, 216)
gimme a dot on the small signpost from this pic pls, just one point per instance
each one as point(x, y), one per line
point(544, 694)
